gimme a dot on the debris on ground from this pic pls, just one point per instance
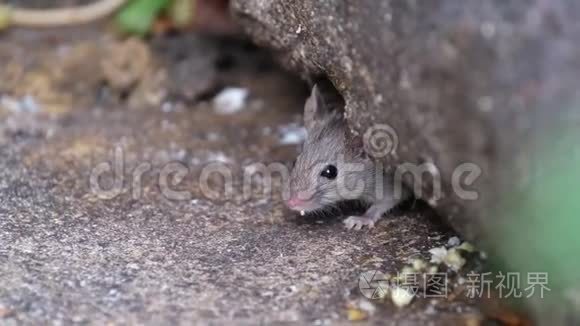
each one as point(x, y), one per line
point(19, 105)
point(126, 63)
point(401, 297)
point(129, 68)
point(356, 314)
point(292, 134)
point(360, 310)
point(230, 100)
point(75, 75)
point(453, 242)
point(451, 257)
point(419, 264)
point(417, 279)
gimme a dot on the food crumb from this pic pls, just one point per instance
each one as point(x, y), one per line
point(401, 297)
point(355, 314)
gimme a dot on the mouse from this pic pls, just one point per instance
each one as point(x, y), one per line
point(333, 168)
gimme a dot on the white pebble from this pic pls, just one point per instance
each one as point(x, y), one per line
point(292, 134)
point(230, 100)
point(24, 104)
point(366, 306)
point(438, 254)
point(401, 297)
point(453, 242)
point(218, 157)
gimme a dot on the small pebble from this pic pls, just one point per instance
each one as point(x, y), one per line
point(367, 306)
point(453, 242)
point(438, 254)
point(401, 297)
point(292, 135)
point(230, 100)
point(419, 264)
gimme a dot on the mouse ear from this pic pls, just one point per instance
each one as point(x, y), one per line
point(315, 109)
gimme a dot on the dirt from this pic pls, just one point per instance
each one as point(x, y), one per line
point(140, 253)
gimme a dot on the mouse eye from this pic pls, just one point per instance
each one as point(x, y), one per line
point(329, 172)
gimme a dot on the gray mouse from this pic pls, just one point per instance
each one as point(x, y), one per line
point(333, 167)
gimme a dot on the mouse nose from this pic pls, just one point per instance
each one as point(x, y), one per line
point(294, 202)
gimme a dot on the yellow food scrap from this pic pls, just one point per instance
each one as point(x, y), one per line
point(354, 314)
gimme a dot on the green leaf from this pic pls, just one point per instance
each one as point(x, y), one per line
point(139, 15)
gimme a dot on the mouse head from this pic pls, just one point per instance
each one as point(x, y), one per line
point(332, 164)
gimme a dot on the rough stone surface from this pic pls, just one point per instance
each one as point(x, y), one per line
point(460, 82)
point(68, 256)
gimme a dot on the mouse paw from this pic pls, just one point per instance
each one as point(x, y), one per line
point(357, 222)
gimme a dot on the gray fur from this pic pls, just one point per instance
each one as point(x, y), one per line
point(329, 141)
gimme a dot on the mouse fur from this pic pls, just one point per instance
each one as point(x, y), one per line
point(315, 185)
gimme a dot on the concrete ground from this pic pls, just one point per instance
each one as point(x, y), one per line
point(144, 256)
